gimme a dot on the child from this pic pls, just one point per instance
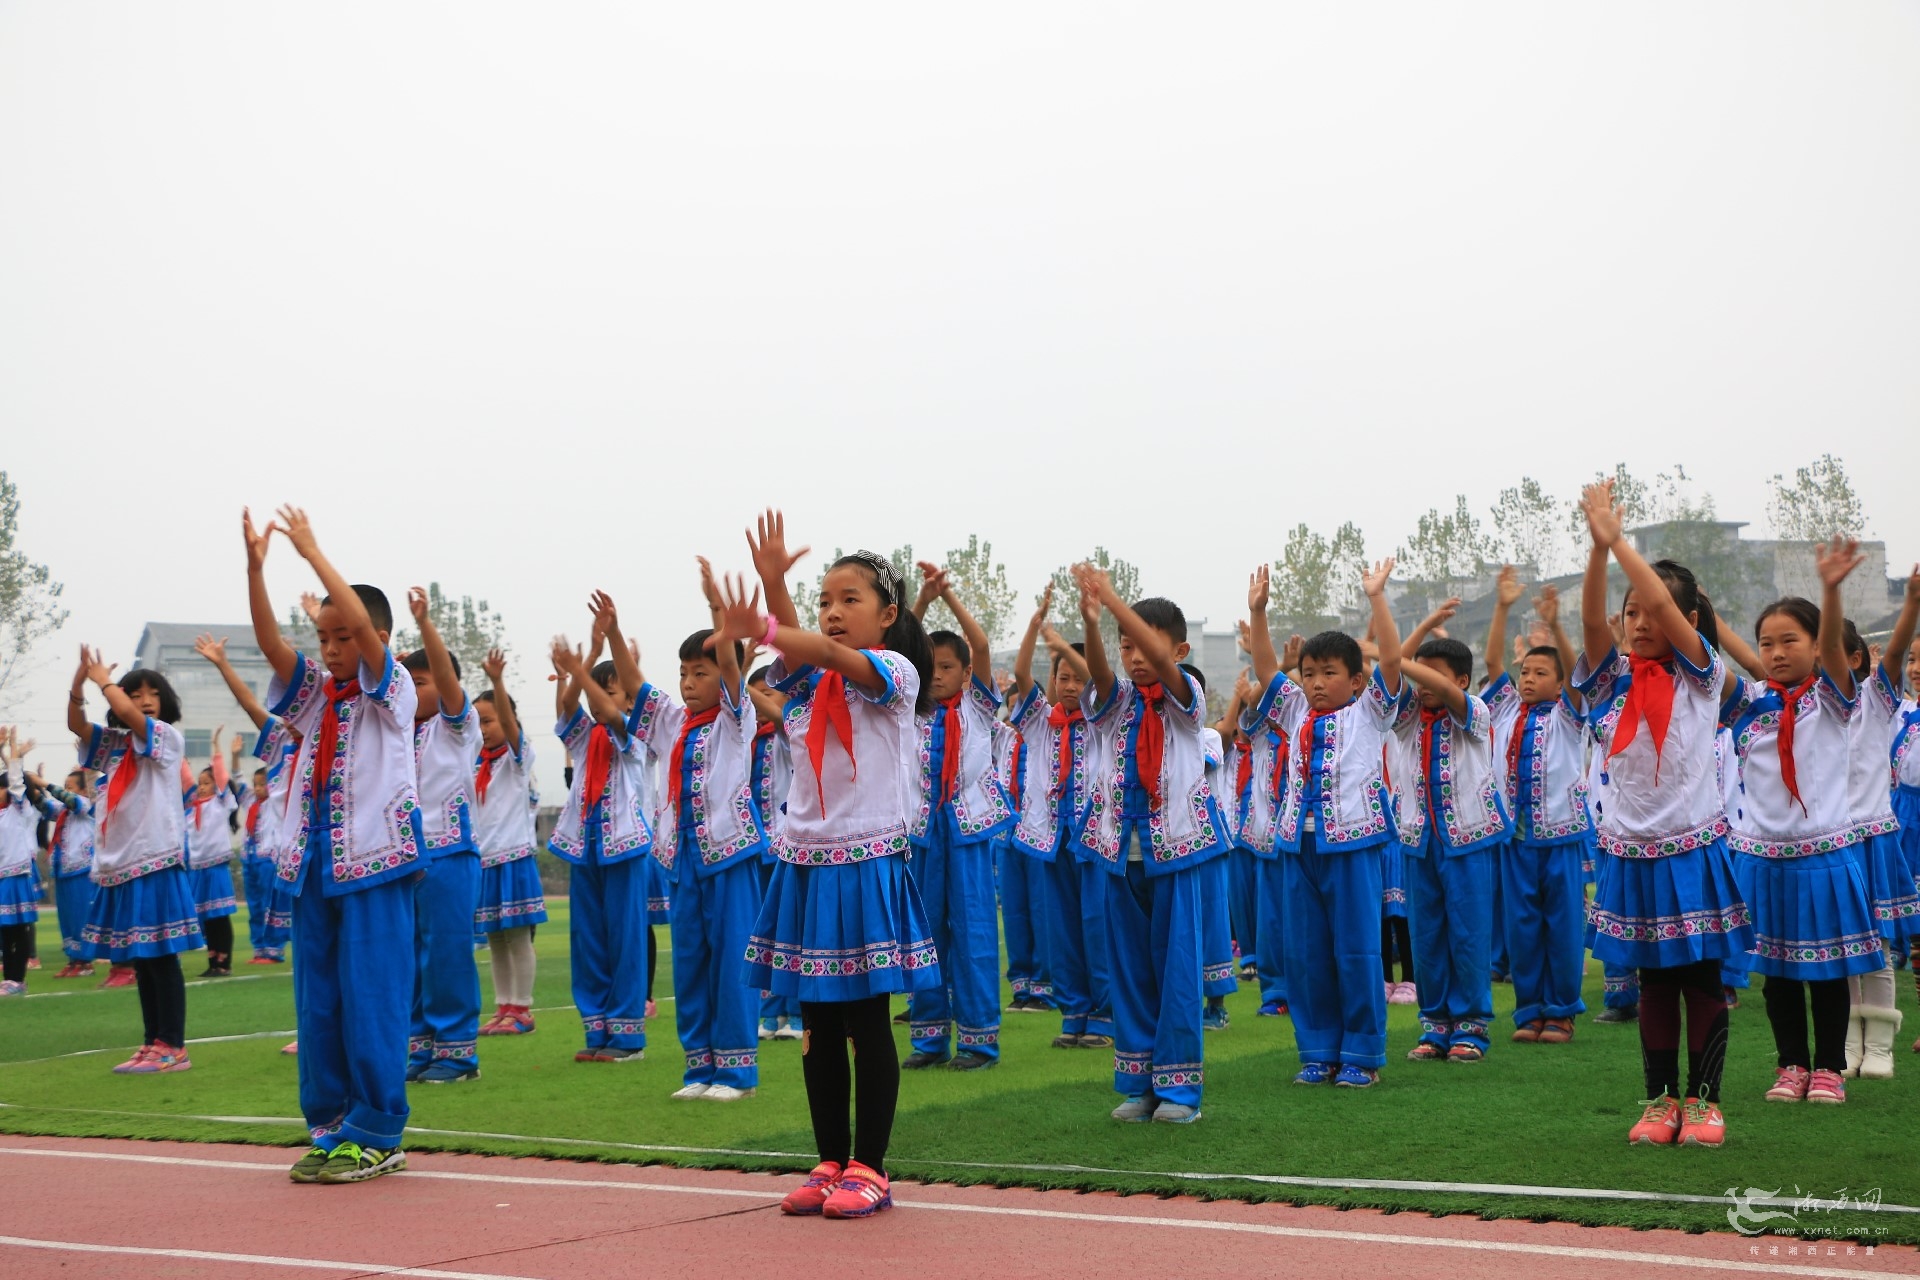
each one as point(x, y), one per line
point(1905, 756)
point(1665, 899)
point(511, 900)
point(1540, 748)
point(18, 911)
point(963, 808)
point(842, 926)
point(709, 844)
point(349, 851)
point(1243, 874)
point(269, 906)
point(1053, 797)
point(1260, 787)
point(142, 909)
point(1021, 879)
point(1812, 922)
point(772, 775)
point(1331, 825)
point(70, 859)
point(1218, 976)
point(444, 1048)
point(605, 833)
point(1151, 822)
point(210, 802)
point(1874, 1020)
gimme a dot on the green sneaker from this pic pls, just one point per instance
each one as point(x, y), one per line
point(350, 1162)
point(307, 1167)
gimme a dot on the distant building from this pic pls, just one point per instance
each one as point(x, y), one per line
point(1215, 652)
point(205, 701)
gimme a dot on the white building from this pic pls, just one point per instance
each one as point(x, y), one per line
point(205, 701)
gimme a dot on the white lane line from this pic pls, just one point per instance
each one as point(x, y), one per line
point(255, 1259)
point(1572, 1252)
point(191, 1040)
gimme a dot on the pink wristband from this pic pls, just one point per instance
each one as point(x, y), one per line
point(773, 628)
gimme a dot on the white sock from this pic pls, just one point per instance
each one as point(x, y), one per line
point(1876, 989)
point(512, 951)
point(500, 957)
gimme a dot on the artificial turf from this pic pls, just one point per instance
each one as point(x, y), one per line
point(1530, 1115)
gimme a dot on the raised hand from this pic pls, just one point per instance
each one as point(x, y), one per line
point(568, 660)
point(238, 744)
point(933, 584)
point(1605, 517)
point(256, 542)
point(214, 651)
point(1290, 655)
point(1375, 583)
point(1546, 603)
point(1243, 690)
point(98, 670)
point(495, 665)
point(310, 605)
point(1443, 614)
point(1506, 588)
point(708, 589)
point(1913, 583)
point(417, 605)
point(1087, 578)
point(1259, 589)
point(298, 529)
point(1836, 559)
point(739, 616)
point(1243, 636)
point(1045, 610)
point(1054, 641)
point(771, 559)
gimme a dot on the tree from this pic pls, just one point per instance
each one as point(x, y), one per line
point(1315, 576)
point(30, 608)
point(1668, 499)
point(468, 626)
point(806, 596)
point(1819, 503)
point(1066, 596)
point(1524, 532)
point(1445, 552)
point(981, 582)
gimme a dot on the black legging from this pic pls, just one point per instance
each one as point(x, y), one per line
point(653, 959)
point(1395, 937)
point(13, 951)
point(219, 933)
point(1787, 1011)
point(1663, 994)
point(163, 1000)
point(829, 1075)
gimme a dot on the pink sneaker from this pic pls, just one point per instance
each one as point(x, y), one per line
point(861, 1193)
point(291, 1048)
point(136, 1062)
point(1789, 1084)
point(169, 1058)
point(1826, 1086)
point(811, 1196)
point(652, 1010)
point(1404, 993)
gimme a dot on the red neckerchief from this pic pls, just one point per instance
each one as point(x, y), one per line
point(830, 711)
point(1789, 711)
point(950, 745)
point(325, 745)
point(1243, 771)
point(483, 776)
point(1306, 739)
point(253, 816)
point(118, 784)
point(59, 822)
point(1150, 747)
point(1649, 697)
point(1018, 768)
point(678, 759)
point(1063, 721)
point(1429, 717)
point(597, 772)
point(1513, 747)
point(766, 729)
point(1279, 779)
point(199, 803)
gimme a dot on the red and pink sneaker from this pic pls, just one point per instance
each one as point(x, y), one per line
point(1659, 1123)
point(119, 975)
point(171, 1058)
point(1789, 1084)
point(1826, 1086)
point(861, 1193)
point(136, 1063)
point(1703, 1125)
point(811, 1196)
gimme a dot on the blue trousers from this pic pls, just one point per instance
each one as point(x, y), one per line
point(446, 981)
point(1077, 904)
point(714, 1009)
point(1450, 911)
point(1499, 959)
point(1243, 903)
point(1546, 903)
point(607, 930)
point(1332, 948)
point(1270, 911)
point(1620, 986)
point(774, 1006)
point(71, 894)
point(1217, 974)
point(1153, 925)
point(1023, 915)
point(254, 874)
point(956, 886)
point(351, 992)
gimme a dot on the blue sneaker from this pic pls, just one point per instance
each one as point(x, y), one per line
point(1214, 1019)
point(1315, 1073)
point(1352, 1077)
point(1274, 1009)
point(445, 1072)
point(414, 1069)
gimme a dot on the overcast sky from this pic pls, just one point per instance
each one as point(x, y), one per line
point(530, 299)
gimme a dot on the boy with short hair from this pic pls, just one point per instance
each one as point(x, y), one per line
point(352, 842)
point(1151, 823)
point(70, 859)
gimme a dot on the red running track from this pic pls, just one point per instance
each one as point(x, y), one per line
point(80, 1208)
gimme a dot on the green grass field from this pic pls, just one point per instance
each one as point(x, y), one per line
point(1532, 1116)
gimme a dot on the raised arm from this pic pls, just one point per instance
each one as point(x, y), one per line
point(496, 669)
point(1229, 722)
point(1154, 646)
point(77, 722)
point(1023, 660)
point(626, 660)
point(599, 702)
point(773, 562)
point(1386, 632)
point(933, 585)
point(218, 763)
point(1433, 622)
point(117, 700)
point(741, 617)
point(1436, 682)
point(446, 681)
point(266, 628)
point(1900, 640)
point(298, 529)
point(1835, 561)
point(1546, 603)
point(566, 693)
point(1099, 667)
point(1063, 655)
point(215, 651)
point(1266, 663)
point(725, 656)
point(970, 630)
point(1744, 655)
point(1604, 522)
point(1506, 590)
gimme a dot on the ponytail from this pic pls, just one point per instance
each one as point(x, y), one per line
point(1687, 595)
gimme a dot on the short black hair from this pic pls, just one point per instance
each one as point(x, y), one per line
point(1199, 676)
point(1858, 655)
point(1804, 612)
point(261, 772)
point(486, 695)
point(374, 601)
point(417, 661)
point(1163, 614)
point(1449, 653)
point(951, 640)
point(1548, 651)
point(759, 676)
point(605, 673)
point(147, 678)
point(1336, 645)
point(1078, 646)
point(694, 647)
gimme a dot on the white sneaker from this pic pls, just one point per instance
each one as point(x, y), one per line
point(692, 1091)
point(766, 1032)
point(787, 1031)
point(1136, 1109)
point(725, 1093)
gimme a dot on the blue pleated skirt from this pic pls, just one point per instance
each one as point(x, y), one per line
point(659, 897)
point(1906, 807)
point(1393, 880)
point(1658, 913)
point(1811, 916)
point(510, 896)
point(1216, 927)
point(18, 894)
point(842, 932)
point(213, 891)
point(143, 918)
point(1890, 887)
